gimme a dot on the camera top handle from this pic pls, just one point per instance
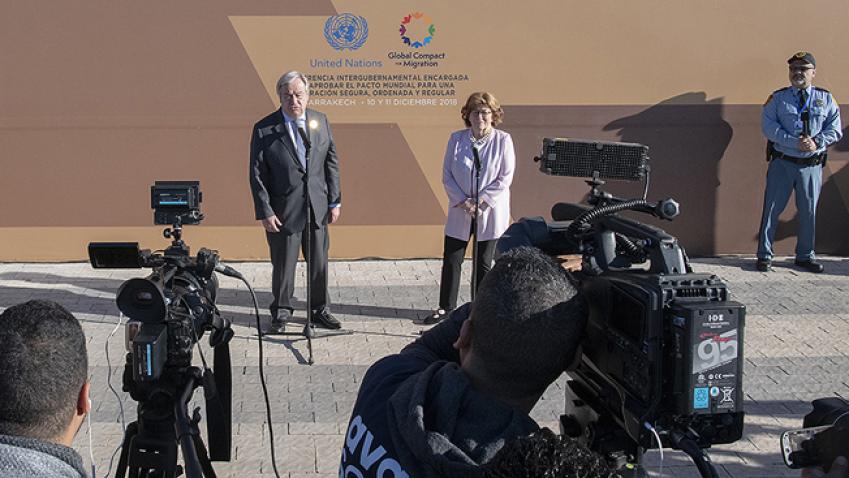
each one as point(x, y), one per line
point(608, 241)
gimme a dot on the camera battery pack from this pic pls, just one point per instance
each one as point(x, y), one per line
point(150, 350)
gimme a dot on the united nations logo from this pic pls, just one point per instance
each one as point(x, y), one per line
point(346, 31)
point(424, 24)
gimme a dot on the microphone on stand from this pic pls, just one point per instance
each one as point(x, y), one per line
point(477, 158)
point(304, 137)
point(303, 134)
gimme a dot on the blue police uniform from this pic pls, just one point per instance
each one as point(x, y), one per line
point(786, 115)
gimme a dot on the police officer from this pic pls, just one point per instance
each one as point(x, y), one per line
point(799, 122)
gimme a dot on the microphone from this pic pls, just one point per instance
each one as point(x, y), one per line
point(806, 125)
point(304, 137)
point(228, 271)
point(477, 158)
point(313, 124)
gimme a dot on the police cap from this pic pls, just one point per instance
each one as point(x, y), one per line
point(803, 56)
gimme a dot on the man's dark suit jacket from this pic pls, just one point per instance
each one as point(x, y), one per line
point(277, 177)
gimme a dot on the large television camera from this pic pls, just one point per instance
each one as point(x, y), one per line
point(662, 356)
point(169, 311)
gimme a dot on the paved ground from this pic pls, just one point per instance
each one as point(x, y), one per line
point(795, 346)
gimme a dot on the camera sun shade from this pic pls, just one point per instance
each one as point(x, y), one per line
point(581, 158)
point(143, 300)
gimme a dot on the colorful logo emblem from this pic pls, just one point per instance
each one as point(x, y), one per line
point(346, 31)
point(416, 21)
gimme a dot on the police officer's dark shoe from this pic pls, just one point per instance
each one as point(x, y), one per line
point(764, 265)
point(810, 265)
point(325, 319)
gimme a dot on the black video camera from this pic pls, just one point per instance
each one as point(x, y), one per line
point(825, 435)
point(662, 354)
point(168, 311)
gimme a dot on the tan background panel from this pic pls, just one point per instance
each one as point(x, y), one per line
point(58, 244)
point(99, 99)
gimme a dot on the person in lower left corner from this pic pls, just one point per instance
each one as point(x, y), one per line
point(447, 403)
point(43, 390)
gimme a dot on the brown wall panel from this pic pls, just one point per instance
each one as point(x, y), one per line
point(98, 99)
point(708, 156)
point(96, 177)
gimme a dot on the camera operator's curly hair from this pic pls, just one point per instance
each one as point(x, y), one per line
point(528, 321)
point(546, 455)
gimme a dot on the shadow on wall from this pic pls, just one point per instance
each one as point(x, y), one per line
point(832, 209)
point(687, 137)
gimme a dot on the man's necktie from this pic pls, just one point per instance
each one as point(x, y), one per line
point(300, 124)
point(805, 115)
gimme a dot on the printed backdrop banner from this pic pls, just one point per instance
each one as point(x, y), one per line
point(99, 99)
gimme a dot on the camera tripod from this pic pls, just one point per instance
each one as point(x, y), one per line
point(149, 448)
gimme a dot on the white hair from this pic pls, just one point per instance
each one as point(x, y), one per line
point(291, 76)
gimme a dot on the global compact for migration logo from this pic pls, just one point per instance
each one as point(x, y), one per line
point(417, 30)
point(346, 31)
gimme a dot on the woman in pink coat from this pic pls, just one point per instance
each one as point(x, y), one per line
point(481, 114)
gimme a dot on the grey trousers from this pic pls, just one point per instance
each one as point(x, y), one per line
point(284, 258)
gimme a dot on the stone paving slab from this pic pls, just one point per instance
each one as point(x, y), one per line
point(795, 346)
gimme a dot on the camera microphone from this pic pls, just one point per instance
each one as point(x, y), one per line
point(228, 271)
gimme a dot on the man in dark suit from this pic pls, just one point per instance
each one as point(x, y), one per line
point(277, 173)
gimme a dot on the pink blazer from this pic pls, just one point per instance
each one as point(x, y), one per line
point(498, 161)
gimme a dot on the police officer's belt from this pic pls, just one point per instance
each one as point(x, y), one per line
point(809, 161)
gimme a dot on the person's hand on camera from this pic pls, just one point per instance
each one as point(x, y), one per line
point(570, 262)
point(271, 224)
point(839, 469)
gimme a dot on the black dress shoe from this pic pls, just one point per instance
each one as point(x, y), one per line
point(810, 266)
point(764, 265)
point(325, 319)
point(277, 327)
point(278, 322)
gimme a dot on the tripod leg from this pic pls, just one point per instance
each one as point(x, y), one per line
point(132, 430)
point(203, 458)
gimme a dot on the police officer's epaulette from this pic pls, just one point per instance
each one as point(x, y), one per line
point(773, 93)
point(822, 89)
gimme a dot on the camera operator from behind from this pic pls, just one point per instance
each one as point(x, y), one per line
point(449, 402)
point(43, 390)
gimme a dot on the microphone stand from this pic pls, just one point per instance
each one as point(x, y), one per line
point(309, 331)
point(476, 197)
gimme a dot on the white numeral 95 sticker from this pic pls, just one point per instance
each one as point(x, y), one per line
point(715, 350)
